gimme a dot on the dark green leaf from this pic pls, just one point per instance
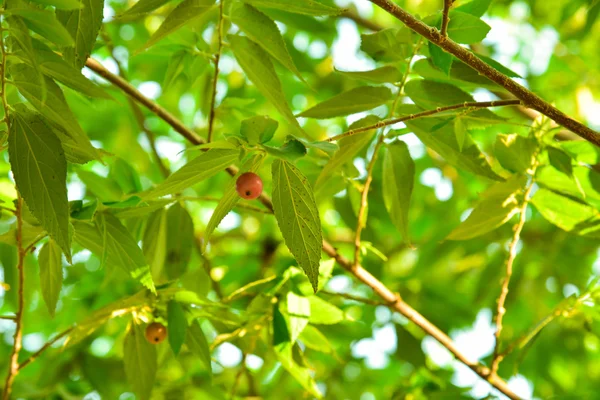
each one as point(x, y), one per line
point(440, 58)
point(475, 7)
point(40, 170)
point(154, 244)
point(263, 31)
point(51, 275)
point(385, 74)
point(354, 100)
point(560, 160)
point(185, 13)
point(398, 182)
point(180, 240)
point(45, 23)
point(307, 7)
point(177, 324)
point(83, 24)
point(60, 4)
point(466, 28)
point(303, 375)
point(514, 152)
point(291, 150)
point(257, 65)
point(196, 342)
point(388, 44)
point(298, 217)
point(140, 361)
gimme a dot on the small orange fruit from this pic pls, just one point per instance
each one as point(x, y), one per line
point(249, 185)
point(156, 332)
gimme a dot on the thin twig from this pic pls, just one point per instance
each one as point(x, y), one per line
point(238, 376)
point(528, 98)
point(7, 209)
point(512, 254)
point(44, 348)
point(391, 298)
point(13, 364)
point(211, 117)
point(381, 124)
point(8, 317)
point(354, 298)
point(364, 198)
point(446, 17)
point(137, 112)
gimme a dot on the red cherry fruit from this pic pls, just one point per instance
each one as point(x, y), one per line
point(156, 332)
point(249, 185)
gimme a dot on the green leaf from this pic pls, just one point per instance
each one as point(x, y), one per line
point(560, 160)
point(257, 65)
point(83, 24)
point(53, 106)
point(350, 102)
point(185, 13)
point(460, 131)
point(202, 167)
point(154, 244)
point(443, 141)
point(324, 313)
point(229, 199)
point(314, 339)
point(60, 4)
point(582, 151)
point(263, 31)
point(514, 152)
point(259, 129)
point(143, 7)
point(298, 217)
point(398, 182)
point(348, 148)
point(126, 176)
point(281, 333)
point(291, 150)
point(385, 74)
point(475, 7)
point(51, 275)
point(196, 342)
point(500, 202)
point(306, 7)
point(298, 310)
point(567, 213)
point(180, 240)
point(466, 28)
point(303, 375)
point(388, 44)
point(177, 324)
point(440, 58)
point(506, 71)
point(140, 359)
point(40, 169)
point(113, 243)
point(45, 23)
point(105, 189)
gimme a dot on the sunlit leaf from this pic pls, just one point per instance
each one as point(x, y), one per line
point(350, 102)
point(51, 275)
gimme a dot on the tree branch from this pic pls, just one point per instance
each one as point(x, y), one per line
point(44, 348)
point(211, 118)
point(392, 299)
point(360, 21)
point(512, 254)
point(137, 113)
point(381, 124)
point(13, 364)
point(446, 17)
point(528, 98)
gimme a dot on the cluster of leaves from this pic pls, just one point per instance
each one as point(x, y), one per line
point(132, 229)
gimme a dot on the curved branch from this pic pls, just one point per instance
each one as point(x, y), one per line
point(528, 98)
point(392, 300)
point(446, 17)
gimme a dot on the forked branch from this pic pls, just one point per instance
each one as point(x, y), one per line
point(528, 98)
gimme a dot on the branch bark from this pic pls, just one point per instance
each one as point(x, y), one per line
point(211, 117)
point(528, 98)
point(446, 17)
point(392, 300)
point(13, 363)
